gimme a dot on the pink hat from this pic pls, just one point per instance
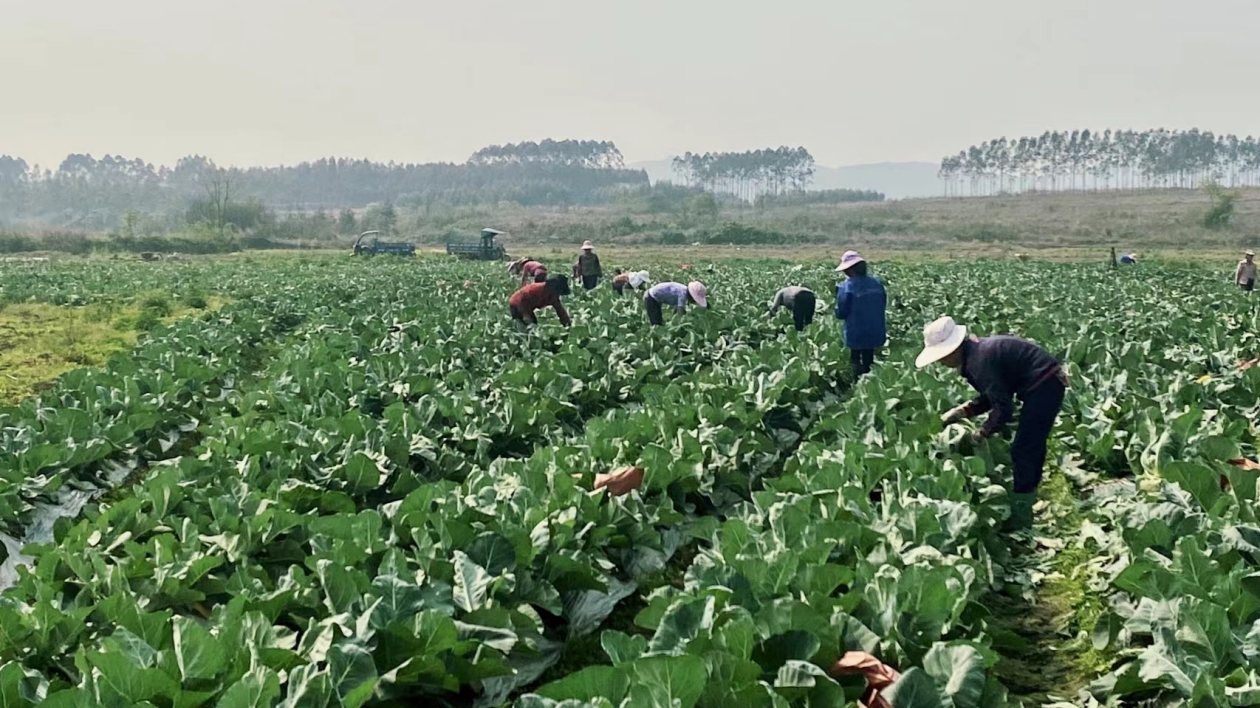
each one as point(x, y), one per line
point(849, 259)
point(698, 293)
point(588, 246)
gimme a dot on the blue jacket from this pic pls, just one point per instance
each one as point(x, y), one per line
point(861, 303)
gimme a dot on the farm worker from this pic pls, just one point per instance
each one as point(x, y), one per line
point(1245, 274)
point(1129, 259)
point(629, 281)
point(1000, 368)
point(587, 267)
point(801, 300)
point(861, 303)
point(514, 268)
point(533, 272)
point(536, 296)
point(675, 294)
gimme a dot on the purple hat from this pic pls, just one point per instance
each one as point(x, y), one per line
point(849, 259)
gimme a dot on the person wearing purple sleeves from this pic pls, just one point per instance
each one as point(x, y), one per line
point(676, 295)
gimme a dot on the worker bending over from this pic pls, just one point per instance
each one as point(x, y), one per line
point(1000, 368)
point(629, 281)
point(801, 301)
point(537, 296)
point(674, 294)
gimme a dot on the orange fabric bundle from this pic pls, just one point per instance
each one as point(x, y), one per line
point(878, 675)
point(620, 482)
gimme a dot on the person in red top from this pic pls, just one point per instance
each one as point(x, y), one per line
point(537, 296)
point(533, 272)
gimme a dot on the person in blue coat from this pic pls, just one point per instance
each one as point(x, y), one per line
point(861, 304)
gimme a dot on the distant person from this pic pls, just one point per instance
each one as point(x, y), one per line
point(623, 282)
point(537, 296)
point(532, 272)
point(514, 268)
point(861, 303)
point(675, 295)
point(1113, 254)
point(1128, 259)
point(800, 300)
point(1001, 368)
point(1245, 273)
point(587, 267)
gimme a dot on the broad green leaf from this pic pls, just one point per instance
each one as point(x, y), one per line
point(197, 653)
point(588, 684)
point(260, 688)
point(472, 583)
point(120, 677)
point(960, 672)
point(622, 648)
point(667, 682)
point(352, 673)
point(914, 689)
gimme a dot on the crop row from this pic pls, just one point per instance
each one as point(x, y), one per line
point(391, 512)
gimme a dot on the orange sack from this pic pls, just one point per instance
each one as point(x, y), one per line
point(620, 482)
point(878, 676)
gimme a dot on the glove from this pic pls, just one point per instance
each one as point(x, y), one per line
point(955, 414)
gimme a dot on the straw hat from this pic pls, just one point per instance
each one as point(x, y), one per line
point(940, 339)
point(698, 293)
point(588, 246)
point(848, 260)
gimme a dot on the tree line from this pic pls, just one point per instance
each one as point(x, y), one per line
point(747, 175)
point(1102, 160)
point(91, 193)
point(591, 154)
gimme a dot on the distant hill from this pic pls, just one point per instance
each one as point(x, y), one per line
point(897, 180)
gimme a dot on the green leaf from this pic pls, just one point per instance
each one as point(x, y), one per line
point(959, 669)
point(914, 689)
point(260, 688)
point(308, 687)
point(622, 648)
point(120, 677)
point(197, 653)
point(667, 682)
point(400, 600)
point(494, 553)
point(683, 621)
point(472, 583)
point(1222, 449)
point(588, 684)
point(20, 686)
point(353, 674)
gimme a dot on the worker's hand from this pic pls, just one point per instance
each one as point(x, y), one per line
point(979, 436)
point(954, 415)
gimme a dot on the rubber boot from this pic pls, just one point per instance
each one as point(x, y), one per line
point(1021, 512)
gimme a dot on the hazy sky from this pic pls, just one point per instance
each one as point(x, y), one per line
point(280, 81)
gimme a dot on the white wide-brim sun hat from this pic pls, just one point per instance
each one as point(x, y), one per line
point(639, 278)
point(698, 293)
point(940, 338)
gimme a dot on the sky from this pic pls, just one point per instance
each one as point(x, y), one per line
point(265, 82)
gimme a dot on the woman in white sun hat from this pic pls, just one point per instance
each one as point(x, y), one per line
point(1001, 368)
point(674, 294)
point(622, 282)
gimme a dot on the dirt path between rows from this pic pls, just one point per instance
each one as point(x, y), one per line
point(1044, 617)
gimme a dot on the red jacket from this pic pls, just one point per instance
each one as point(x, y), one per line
point(536, 296)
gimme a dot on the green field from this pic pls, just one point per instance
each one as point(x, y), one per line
point(350, 482)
